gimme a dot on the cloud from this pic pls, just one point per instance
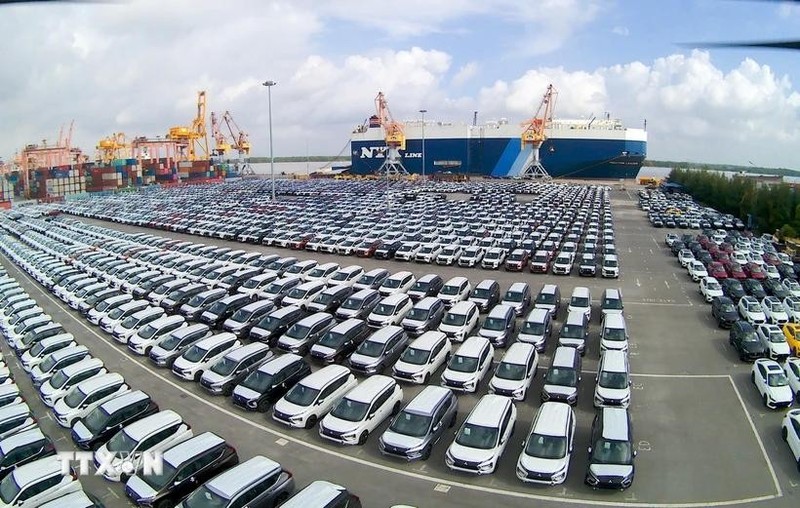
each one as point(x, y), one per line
point(621, 31)
point(465, 73)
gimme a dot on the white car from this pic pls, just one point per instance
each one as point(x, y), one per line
point(471, 256)
point(785, 259)
point(790, 431)
point(771, 383)
point(774, 311)
point(750, 310)
point(774, 342)
point(772, 272)
point(422, 358)
point(399, 282)
point(710, 288)
point(696, 270)
point(428, 253)
point(685, 257)
point(483, 436)
point(756, 258)
point(792, 286)
point(494, 258)
point(455, 290)
point(449, 255)
point(791, 304)
point(792, 370)
point(203, 354)
point(303, 294)
point(516, 370)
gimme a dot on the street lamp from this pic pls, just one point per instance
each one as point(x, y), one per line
point(269, 85)
point(423, 111)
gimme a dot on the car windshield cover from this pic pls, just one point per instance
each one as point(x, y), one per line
point(777, 379)
point(410, 424)
point(370, 348)
point(561, 377)
point(511, 371)
point(204, 497)
point(241, 315)
point(459, 363)
point(298, 331)
point(494, 324)
point(392, 283)
point(579, 301)
point(513, 296)
point(546, 447)
point(477, 436)
point(194, 354)
point(613, 380)
point(415, 356)
point(302, 395)
point(453, 319)
point(224, 367)
point(611, 452)
point(350, 410)
point(258, 381)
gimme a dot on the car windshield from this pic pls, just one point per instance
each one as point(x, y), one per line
point(96, 420)
point(204, 497)
point(493, 323)
point(613, 380)
point(366, 280)
point(274, 289)
point(614, 334)
point(58, 379)
point(298, 331)
point(561, 377)
point(37, 349)
point(417, 314)
point(147, 331)
point(250, 284)
point(171, 342)
point(776, 337)
point(392, 283)
point(370, 348)
point(612, 303)
point(546, 447)
point(453, 319)
point(546, 298)
point(415, 356)
point(9, 489)
point(340, 276)
point(302, 395)
point(728, 307)
point(511, 371)
point(194, 354)
point(332, 339)
point(162, 289)
point(197, 300)
point(258, 381)
point(533, 328)
point(449, 251)
point(159, 481)
point(449, 290)
point(129, 322)
point(241, 315)
point(753, 307)
point(513, 296)
point(350, 410)
point(477, 436)
point(297, 293)
point(317, 273)
point(410, 424)
point(777, 379)
point(610, 263)
point(482, 293)
point(383, 309)
point(224, 366)
point(611, 452)
point(74, 397)
point(421, 286)
point(116, 313)
point(776, 307)
point(48, 363)
point(460, 363)
point(579, 301)
point(749, 336)
point(569, 331)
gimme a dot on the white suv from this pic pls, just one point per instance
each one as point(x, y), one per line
point(482, 438)
point(422, 358)
point(771, 383)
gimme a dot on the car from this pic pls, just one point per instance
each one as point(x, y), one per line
point(696, 270)
point(717, 270)
point(750, 310)
point(723, 310)
point(494, 258)
point(791, 305)
point(485, 294)
point(790, 432)
point(735, 270)
point(774, 310)
point(517, 260)
point(233, 367)
point(426, 315)
point(771, 383)
point(515, 372)
point(422, 358)
point(609, 267)
point(270, 382)
point(710, 288)
point(399, 282)
point(100, 424)
point(37, 482)
point(482, 438)
point(449, 255)
point(792, 369)
point(361, 410)
point(773, 340)
point(685, 256)
point(313, 396)
point(201, 355)
point(547, 450)
point(518, 297)
point(468, 365)
point(540, 262)
point(792, 286)
point(455, 290)
point(611, 450)
point(471, 256)
point(322, 493)
point(733, 289)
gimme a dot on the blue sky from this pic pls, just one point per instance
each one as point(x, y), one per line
point(136, 66)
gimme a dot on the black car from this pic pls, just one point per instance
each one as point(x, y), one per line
point(27, 446)
point(724, 311)
point(705, 258)
point(786, 271)
point(275, 324)
point(744, 339)
point(222, 309)
point(774, 288)
point(733, 289)
point(341, 341)
point(754, 288)
point(387, 250)
point(676, 247)
point(176, 298)
point(97, 427)
point(263, 387)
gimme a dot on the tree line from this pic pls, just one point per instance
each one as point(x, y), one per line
point(771, 208)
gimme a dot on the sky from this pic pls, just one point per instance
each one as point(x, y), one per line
point(135, 66)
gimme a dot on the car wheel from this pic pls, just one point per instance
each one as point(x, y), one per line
point(396, 408)
point(426, 453)
point(764, 398)
point(123, 478)
point(198, 375)
point(753, 377)
point(784, 433)
point(282, 498)
point(312, 420)
point(363, 437)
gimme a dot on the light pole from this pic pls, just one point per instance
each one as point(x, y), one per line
point(269, 85)
point(423, 111)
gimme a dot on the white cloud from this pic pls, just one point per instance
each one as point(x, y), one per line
point(621, 30)
point(465, 73)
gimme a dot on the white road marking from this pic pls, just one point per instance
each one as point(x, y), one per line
point(440, 487)
point(281, 442)
point(638, 284)
point(410, 474)
point(113, 493)
point(666, 284)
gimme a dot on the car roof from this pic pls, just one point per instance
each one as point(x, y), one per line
point(83, 365)
point(95, 383)
point(317, 493)
point(40, 468)
point(167, 319)
point(615, 423)
point(518, 353)
point(362, 294)
point(14, 410)
point(462, 307)
point(564, 356)
point(279, 362)
point(427, 400)
point(258, 304)
point(376, 271)
point(371, 387)
point(215, 339)
point(489, 410)
point(347, 325)
point(486, 284)
point(472, 346)
point(552, 419)
point(428, 340)
point(395, 299)
point(191, 447)
point(428, 277)
point(21, 438)
point(401, 275)
point(124, 400)
point(314, 318)
point(456, 281)
point(382, 335)
point(500, 311)
point(142, 428)
point(236, 479)
point(242, 352)
point(320, 378)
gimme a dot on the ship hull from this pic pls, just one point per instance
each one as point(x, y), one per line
point(594, 157)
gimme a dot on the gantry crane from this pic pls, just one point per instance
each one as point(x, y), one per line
point(395, 138)
point(221, 144)
point(193, 141)
point(534, 135)
point(115, 146)
point(236, 140)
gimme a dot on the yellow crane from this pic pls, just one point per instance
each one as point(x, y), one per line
point(236, 138)
point(115, 146)
point(534, 135)
point(192, 141)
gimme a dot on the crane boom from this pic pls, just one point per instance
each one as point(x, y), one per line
point(533, 134)
point(395, 138)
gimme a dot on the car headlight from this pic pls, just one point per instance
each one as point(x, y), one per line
point(448, 459)
point(560, 476)
point(518, 392)
point(486, 465)
point(349, 435)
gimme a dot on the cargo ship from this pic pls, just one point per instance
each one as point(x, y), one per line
point(598, 148)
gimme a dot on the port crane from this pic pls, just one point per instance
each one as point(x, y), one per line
point(237, 140)
point(533, 135)
point(192, 140)
point(115, 146)
point(395, 139)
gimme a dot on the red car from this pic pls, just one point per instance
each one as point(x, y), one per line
point(720, 256)
point(726, 247)
point(299, 242)
point(755, 271)
point(771, 259)
point(540, 262)
point(717, 271)
point(712, 248)
point(735, 270)
point(367, 248)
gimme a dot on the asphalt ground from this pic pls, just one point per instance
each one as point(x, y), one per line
point(703, 436)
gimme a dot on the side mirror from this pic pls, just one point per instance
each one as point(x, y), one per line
point(589, 449)
point(635, 453)
point(319, 402)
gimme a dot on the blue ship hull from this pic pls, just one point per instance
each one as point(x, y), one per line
point(504, 158)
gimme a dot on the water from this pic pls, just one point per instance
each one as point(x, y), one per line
point(293, 168)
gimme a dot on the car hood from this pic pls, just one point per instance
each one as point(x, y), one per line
point(286, 407)
point(80, 430)
point(780, 348)
point(400, 440)
point(781, 392)
point(213, 377)
point(507, 384)
point(137, 486)
point(458, 377)
point(611, 470)
point(560, 390)
point(182, 363)
point(323, 350)
point(539, 465)
point(360, 359)
point(410, 368)
point(61, 407)
point(335, 424)
point(245, 393)
point(465, 453)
